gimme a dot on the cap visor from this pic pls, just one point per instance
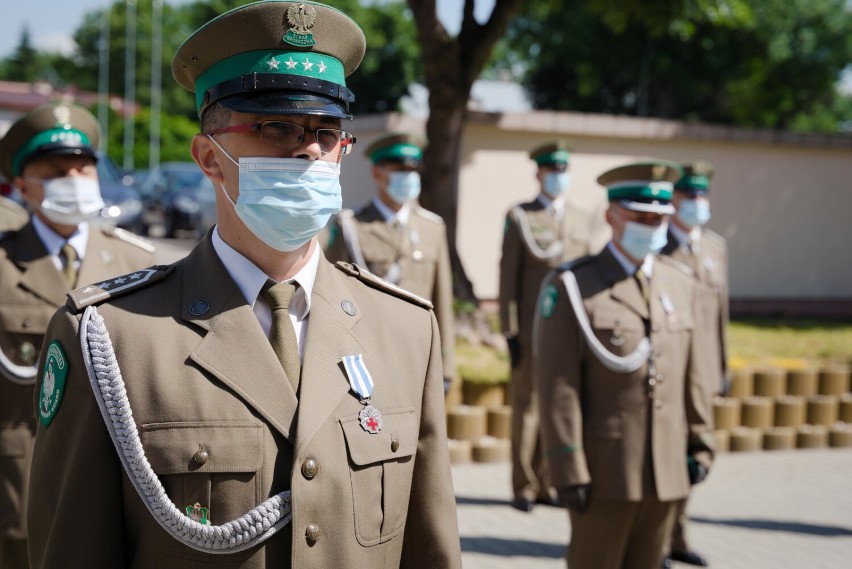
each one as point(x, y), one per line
point(648, 207)
point(58, 150)
point(283, 103)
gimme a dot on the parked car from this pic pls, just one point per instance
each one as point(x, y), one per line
point(173, 193)
point(123, 202)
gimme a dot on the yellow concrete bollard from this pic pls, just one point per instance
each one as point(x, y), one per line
point(779, 438)
point(487, 395)
point(500, 422)
point(846, 407)
point(802, 382)
point(489, 449)
point(726, 413)
point(834, 379)
point(466, 423)
point(757, 412)
point(742, 383)
point(840, 435)
point(746, 439)
point(722, 441)
point(791, 411)
point(811, 436)
point(460, 451)
point(770, 382)
point(823, 410)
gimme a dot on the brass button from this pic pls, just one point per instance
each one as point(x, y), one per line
point(394, 444)
point(310, 468)
point(312, 532)
point(201, 456)
point(658, 404)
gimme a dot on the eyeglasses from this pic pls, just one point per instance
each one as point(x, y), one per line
point(287, 135)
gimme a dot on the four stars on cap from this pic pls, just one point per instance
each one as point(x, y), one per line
point(291, 63)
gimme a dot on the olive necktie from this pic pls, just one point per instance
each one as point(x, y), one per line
point(282, 335)
point(69, 256)
point(642, 279)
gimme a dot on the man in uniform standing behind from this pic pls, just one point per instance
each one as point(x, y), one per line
point(251, 406)
point(49, 155)
point(705, 254)
point(396, 239)
point(12, 216)
point(538, 236)
point(620, 374)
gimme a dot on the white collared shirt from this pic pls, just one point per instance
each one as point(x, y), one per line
point(53, 242)
point(628, 265)
point(684, 238)
point(250, 280)
point(557, 206)
point(390, 215)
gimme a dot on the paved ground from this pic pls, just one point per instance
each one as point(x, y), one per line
point(770, 510)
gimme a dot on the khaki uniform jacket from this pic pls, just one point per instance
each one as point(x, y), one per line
point(709, 265)
point(212, 381)
point(521, 271)
point(31, 289)
point(12, 216)
point(628, 434)
point(423, 256)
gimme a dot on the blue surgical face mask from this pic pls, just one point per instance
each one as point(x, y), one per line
point(286, 201)
point(640, 240)
point(556, 183)
point(403, 186)
point(70, 200)
point(694, 212)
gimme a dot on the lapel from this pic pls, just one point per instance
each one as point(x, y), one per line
point(372, 222)
point(38, 273)
point(99, 262)
point(624, 287)
point(235, 350)
point(330, 337)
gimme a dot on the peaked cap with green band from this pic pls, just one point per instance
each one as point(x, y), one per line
point(400, 147)
point(273, 57)
point(551, 154)
point(643, 186)
point(48, 130)
point(696, 177)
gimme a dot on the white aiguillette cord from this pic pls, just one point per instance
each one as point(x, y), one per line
point(253, 528)
point(21, 375)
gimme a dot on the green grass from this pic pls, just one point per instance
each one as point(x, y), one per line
point(760, 341)
point(481, 364)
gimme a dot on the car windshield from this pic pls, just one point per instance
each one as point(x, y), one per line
point(107, 170)
point(182, 179)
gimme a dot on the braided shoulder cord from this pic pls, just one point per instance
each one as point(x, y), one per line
point(554, 250)
point(22, 375)
point(252, 528)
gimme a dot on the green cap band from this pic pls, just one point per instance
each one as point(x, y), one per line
point(649, 191)
point(553, 157)
point(69, 136)
point(303, 64)
point(399, 151)
point(696, 182)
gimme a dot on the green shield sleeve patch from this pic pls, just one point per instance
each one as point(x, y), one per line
point(52, 383)
point(548, 301)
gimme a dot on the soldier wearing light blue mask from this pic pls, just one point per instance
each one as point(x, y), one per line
point(396, 238)
point(705, 253)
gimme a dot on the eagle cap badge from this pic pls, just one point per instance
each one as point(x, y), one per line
point(300, 20)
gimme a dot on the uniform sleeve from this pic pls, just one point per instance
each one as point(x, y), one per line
point(724, 315)
point(510, 277)
point(558, 353)
point(333, 244)
point(431, 531)
point(76, 476)
point(699, 397)
point(443, 303)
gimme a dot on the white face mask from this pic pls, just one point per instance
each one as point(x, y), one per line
point(286, 201)
point(694, 212)
point(403, 186)
point(640, 240)
point(70, 200)
point(556, 184)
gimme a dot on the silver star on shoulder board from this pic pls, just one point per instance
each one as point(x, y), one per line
point(307, 64)
point(135, 276)
point(291, 63)
point(104, 285)
point(120, 280)
point(272, 63)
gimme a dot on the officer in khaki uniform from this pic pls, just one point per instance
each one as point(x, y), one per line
point(12, 216)
point(252, 405)
point(49, 155)
point(705, 255)
point(621, 381)
point(398, 240)
point(538, 236)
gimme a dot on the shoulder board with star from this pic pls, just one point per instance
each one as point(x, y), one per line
point(118, 286)
point(128, 237)
point(672, 262)
point(713, 236)
point(378, 283)
point(429, 215)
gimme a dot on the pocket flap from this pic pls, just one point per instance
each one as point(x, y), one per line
point(616, 320)
point(25, 318)
point(230, 446)
point(368, 448)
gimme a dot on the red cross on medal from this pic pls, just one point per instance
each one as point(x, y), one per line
point(371, 419)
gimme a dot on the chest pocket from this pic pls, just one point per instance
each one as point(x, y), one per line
point(618, 330)
point(381, 467)
point(25, 318)
point(212, 463)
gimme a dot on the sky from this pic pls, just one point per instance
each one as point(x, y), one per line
point(51, 22)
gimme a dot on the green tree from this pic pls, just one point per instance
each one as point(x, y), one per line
point(24, 64)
